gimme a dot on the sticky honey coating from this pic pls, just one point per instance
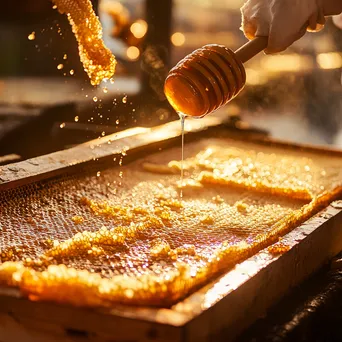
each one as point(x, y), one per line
point(278, 248)
point(97, 59)
point(138, 242)
point(205, 80)
point(301, 178)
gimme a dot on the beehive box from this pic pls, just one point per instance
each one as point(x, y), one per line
point(95, 250)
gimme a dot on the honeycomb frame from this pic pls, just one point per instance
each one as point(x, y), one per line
point(168, 300)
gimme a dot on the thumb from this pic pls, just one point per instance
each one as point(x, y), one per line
point(337, 20)
point(279, 39)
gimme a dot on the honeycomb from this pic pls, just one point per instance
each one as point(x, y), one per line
point(97, 59)
point(128, 237)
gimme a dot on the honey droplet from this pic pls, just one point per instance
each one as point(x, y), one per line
point(76, 118)
point(60, 66)
point(103, 133)
point(117, 121)
point(65, 56)
point(95, 99)
point(105, 90)
point(32, 36)
point(98, 174)
point(77, 219)
point(71, 72)
point(62, 125)
point(124, 99)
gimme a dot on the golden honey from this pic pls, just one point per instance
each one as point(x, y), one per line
point(77, 219)
point(97, 59)
point(278, 248)
point(140, 243)
point(205, 80)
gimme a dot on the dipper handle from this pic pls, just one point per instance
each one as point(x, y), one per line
point(251, 48)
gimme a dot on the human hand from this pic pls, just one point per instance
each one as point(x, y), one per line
point(337, 20)
point(285, 21)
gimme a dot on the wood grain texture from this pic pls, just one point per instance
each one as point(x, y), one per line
point(132, 141)
point(54, 164)
point(217, 312)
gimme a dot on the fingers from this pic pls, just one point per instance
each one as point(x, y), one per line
point(288, 26)
point(255, 18)
point(320, 17)
point(281, 41)
point(316, 21)
point(283, 21)
point(337, 20)
point(278, 43)
point(249, 27)
point(331, 7)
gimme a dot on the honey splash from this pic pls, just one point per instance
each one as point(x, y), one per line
point(98, 61)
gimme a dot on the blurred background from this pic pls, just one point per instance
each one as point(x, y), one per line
point(47, 103)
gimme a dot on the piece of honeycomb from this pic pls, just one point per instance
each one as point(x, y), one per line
point(98, 61)
point(278, 248)
point(139, 242)
point(302, 178)
point(77, 219)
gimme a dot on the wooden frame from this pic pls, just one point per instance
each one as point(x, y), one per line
point(217, 312)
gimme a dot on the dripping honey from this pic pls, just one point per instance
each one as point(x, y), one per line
point(182, 120)
point(205, 80)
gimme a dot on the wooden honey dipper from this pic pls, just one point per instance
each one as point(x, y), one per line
point(209, 77)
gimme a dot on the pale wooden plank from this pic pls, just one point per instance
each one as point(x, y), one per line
point(57, 163)
point(97, 322)
point(131, 140)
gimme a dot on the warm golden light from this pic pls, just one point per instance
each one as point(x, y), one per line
point(165, 246)
point(178, 39)
point(330, 60)
point(133, 53)
point(139, 28)
point(32, 36)
point(254, 77)
point(286, 63)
